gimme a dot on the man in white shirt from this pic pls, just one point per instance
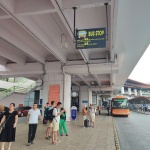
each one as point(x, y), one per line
point(92, 116)
point(32, 118)
point(56, 118)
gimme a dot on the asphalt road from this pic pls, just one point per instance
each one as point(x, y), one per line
point(134, 131)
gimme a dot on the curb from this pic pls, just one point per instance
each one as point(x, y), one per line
point(117, 145)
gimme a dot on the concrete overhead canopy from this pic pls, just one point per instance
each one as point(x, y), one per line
point(31, 34)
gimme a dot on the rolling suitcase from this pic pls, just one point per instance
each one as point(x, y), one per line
point(86, 123)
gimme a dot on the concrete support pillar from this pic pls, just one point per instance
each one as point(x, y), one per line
point(90, 97)
point(41, 94)
point(135, 92)
point(98, 100)
point(122, 90)
point(140, 92)
point(129, 91)
point(67, 95)
point(52, 79)
point(83, 97)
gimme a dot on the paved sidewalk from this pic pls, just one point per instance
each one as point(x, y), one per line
point(99, 138)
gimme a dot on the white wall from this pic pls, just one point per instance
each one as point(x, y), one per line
point(6, 85)
point(15, 98)
point(84, 95)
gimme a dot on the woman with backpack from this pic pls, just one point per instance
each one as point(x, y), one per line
point(62, 124)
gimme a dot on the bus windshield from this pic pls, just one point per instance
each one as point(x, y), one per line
point(119, 103)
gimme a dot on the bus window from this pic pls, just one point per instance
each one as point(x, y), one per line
point(119, 103)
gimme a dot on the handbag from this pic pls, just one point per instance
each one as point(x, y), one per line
point(3, 125)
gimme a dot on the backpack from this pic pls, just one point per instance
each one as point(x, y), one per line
point(48, 115)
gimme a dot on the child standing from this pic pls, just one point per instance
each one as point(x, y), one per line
point(62, 124)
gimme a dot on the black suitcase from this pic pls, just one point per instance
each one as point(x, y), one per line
point(86, 123)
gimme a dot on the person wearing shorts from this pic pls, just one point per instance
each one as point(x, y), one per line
point(56, 115)
point(92, 117)
point(84, 113)
point(50, 123)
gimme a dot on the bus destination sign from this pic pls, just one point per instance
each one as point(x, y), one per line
point(91, 38)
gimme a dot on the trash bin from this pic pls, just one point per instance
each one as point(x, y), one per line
point(73, 112)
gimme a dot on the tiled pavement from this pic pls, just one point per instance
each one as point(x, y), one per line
point(99, 138)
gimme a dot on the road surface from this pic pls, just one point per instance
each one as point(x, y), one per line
point(134, 131)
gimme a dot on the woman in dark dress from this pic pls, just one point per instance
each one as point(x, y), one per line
point(8, 124)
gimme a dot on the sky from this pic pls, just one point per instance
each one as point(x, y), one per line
point(141, 71)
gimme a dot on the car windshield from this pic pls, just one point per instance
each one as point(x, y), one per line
point(19, 108)
point(120, 103)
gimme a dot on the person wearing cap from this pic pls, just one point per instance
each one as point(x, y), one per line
point(84, 113)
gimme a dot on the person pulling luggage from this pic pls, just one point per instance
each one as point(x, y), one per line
point(92, 116)
point(84, 113)
point(99, 110)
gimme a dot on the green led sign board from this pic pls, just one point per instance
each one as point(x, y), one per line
point(91, 38)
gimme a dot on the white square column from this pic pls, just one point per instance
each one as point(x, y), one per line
point(135, 92)
point(83, 97)
point(67, 95)
point(122, 90)
point(129, 91)
point(140, 92)
point(52, 79)
point(90, 97)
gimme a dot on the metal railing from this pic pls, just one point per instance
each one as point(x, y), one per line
point(140, 108)
point(18, 89)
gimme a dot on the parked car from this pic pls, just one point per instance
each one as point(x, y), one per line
point(23, 110)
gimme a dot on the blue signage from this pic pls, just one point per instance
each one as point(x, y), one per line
point(41, 101)
point(84, 101)
point(91, 38)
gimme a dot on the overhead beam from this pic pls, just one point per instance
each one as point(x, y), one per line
point(7, 53)
point(35, 13)
point(51, 49)
point(5, 35)
point(93, 69)
point(97, 80)
point(92, 5)
point(3, 61)
point(101, 89)
point(5, 17)
point(76, 83)
point(62, 16)
point(31, 69)
point(30, 13)
point(82, 78)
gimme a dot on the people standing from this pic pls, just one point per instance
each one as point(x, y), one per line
point(56, 115)
point(92, 116)
point(49, 117)
point(99, 110)
point(84, 113)
point(148, 108)
point(62, 124)
point(45, 121)
point(108, 110)
point(32, 118)
point(8, 125)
